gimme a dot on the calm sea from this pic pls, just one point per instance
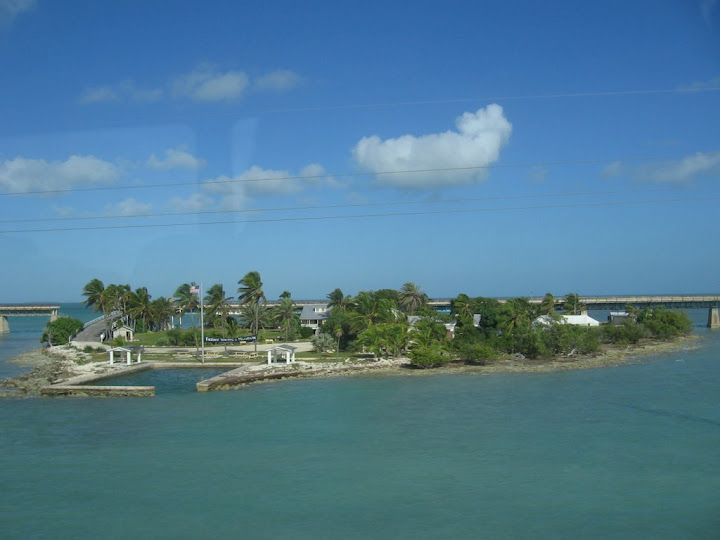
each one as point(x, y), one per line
point(622, 452)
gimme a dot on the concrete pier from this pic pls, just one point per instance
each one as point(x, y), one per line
point(25, 310)
point(714, 317)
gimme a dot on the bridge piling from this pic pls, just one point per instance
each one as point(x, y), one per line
point(714, 317)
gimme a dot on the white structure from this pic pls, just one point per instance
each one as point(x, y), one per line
point(282, 354)
point(124, 332)
point(128, 354)
point(314, 315)
point(574, 320)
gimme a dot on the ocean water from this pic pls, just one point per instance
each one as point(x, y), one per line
point(25, 334)
point(623, 452)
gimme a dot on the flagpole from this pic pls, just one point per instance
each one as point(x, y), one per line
point(202, 327)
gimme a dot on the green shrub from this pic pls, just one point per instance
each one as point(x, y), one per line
point(306, 333)
point(476, 353)
point(427, 357)
point(59, 331)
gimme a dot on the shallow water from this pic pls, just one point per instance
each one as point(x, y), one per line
point(629, 452)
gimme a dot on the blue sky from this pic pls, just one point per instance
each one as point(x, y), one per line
point(491, 148)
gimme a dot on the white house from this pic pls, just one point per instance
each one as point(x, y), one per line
point(574, 320)
point(314, 315)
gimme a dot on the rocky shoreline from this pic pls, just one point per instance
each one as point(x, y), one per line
point(54, 365)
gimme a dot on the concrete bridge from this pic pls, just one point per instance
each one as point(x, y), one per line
point(613, 303)
point(25, 310)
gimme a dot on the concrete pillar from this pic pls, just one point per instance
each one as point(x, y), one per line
point(714, 317)
point(4, 326)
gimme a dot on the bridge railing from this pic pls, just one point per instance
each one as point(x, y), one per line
point(112, 315)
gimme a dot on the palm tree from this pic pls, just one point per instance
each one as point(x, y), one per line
point(218, 306)
point(517, 314)
point(185, 300)
point(93, 292)
point(162, 310)
point(547, 306)
point(463, 307)
point(338, 300)
point(250, 293)
point(411, 298)
point(368, 309)
point(572, 304)
point(284, 314)
point(256, 317)
point(140, 307)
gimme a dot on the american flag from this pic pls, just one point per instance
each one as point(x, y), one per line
point(194, 289)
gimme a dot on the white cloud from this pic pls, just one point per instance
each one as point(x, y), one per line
point(128, 207)
point(207, 84)
point(280, 80)
point(23, 175)
point(175, 158)
point(194, 203)
point(669, 172)
point(124, 91)
point(63, 211)
point(99, 94)
point(9, 9)
point(477, 143)
point(256, 181)
point(537, 174)
point(706, 9)
point(697, 86)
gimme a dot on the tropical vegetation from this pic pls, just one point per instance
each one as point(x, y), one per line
point(386, 323)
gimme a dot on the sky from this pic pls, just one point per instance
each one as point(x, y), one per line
point(492, 148)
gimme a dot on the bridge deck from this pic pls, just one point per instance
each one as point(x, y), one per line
point(26, 310)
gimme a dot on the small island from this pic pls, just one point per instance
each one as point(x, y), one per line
point(385, 330)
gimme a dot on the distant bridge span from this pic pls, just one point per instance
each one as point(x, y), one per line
point(25, 310)
point(688, 301)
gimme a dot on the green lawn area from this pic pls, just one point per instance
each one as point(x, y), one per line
point(157, 339)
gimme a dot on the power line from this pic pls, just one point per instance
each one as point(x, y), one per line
point(610, 93)
point(344, 175)
point(365, 216)
point(343, 206)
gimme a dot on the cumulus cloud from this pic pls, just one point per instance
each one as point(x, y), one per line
point(23, 175)
point(278, 81)
point(124, 91)
point(669, 172)
point(9, 9)
point(128, 207)
point(477, 143)
point(176, 158)
point(99, 94)
point(194, 203)
point(256, 181)
point(207, 84)
point(697, 86)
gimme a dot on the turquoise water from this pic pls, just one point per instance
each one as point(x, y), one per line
point(165, 380)
point(624, 452)
point(25, 333)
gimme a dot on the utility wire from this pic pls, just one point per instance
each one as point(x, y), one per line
point(343, 175)
point(610, 93)
point(343, 206)
point(364, 216)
